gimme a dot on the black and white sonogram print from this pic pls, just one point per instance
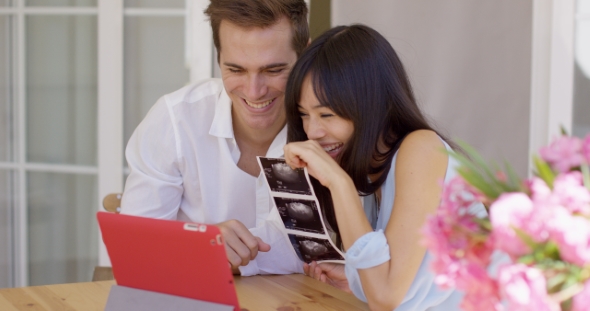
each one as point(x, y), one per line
point(298, 214)
point(311, 249)
point(282, 178)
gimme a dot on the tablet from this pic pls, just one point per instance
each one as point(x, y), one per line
point(170, 257)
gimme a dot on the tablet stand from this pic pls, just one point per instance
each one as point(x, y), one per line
point(122, 298)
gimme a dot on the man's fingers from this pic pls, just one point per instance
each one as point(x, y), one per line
point(262, 246)
point(239, 241)
point(234, 259)
point(237, 253)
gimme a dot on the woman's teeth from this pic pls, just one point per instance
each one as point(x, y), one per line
point(332, 147)
point(258, 105)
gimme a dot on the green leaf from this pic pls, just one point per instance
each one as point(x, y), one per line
point(563, 131)
point(527, 259)
point(525, 238)
point(475, 170)
point(586, 175)
point(513, 178)
point(555, 283)
point(544, 171)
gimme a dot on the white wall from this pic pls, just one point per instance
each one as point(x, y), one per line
point(469, 62)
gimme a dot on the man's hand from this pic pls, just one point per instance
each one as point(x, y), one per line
point(330, 273)
point(240, 245)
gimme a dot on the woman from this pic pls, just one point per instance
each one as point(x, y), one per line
point(354, 123)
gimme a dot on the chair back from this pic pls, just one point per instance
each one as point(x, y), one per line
point(112, 202)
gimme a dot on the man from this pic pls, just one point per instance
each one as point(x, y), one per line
point(193, 157)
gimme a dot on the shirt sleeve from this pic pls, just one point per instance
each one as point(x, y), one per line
point(154, 186)
point(368, 251)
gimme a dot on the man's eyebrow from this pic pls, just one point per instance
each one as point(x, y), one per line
point(275, 65)
point(265, 67)
point(233, 65)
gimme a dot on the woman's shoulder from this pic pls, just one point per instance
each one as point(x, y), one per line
point(422, 150)
point(421, 141)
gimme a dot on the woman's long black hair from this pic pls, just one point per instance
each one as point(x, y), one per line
point(356, 73)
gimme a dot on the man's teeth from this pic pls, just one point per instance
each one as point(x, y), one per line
point(329, 148)
point(258, 105)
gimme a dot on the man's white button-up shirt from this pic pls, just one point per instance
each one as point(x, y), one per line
point(183, 166)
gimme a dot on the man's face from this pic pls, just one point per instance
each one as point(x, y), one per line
point(255, 64)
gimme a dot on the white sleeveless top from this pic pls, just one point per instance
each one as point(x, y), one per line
point(371, 250)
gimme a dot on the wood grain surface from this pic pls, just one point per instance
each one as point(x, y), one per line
point(293, 292)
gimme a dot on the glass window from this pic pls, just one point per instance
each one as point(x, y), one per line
point(154, 3)
point(66, 3)
point(154, 64)
point(6, 102)
point(61, 62)
point(62, 228)
point(581, 109)
point(6, 209)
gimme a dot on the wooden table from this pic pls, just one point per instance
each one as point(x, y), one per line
point(275, 292)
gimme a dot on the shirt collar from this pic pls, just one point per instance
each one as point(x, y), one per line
point(276, 148)
point(222, 121)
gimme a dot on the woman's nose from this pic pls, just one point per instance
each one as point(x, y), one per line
point(314, 129)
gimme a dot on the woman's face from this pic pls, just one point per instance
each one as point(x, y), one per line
point(321, 124)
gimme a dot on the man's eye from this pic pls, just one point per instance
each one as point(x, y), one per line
point(275, 70)
point(233, 70)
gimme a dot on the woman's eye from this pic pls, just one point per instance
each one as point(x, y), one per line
point(302, 114)
point(326, 115)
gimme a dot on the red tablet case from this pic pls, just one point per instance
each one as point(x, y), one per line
point(170, 257)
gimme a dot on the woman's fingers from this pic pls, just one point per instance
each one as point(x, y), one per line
point(305, 268)
point(311, 155)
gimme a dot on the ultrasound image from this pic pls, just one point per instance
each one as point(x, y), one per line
point(298, 214)
point(282, 178)
point(311, 249)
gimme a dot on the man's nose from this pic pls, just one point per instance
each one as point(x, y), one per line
point(255, 87)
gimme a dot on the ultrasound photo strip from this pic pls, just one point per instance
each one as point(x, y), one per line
point(300, 211)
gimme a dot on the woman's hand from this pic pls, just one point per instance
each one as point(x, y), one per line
point(318, 162)
point(329, 273)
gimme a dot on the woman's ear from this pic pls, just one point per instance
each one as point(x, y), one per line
point(309, 42)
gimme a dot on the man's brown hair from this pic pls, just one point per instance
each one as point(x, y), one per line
point(260, 13)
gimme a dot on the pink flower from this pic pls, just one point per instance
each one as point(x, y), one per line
point(563, 153)
point(569, 191)
point(572, 235)
point(482, 293)
point(508, 211)
point(458, 196)
point(539, 189)
point(525, 288)
point(582, 300)
point(586, 149)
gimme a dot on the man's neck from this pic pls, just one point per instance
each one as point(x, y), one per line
point(252, 143)
point(255, 139)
